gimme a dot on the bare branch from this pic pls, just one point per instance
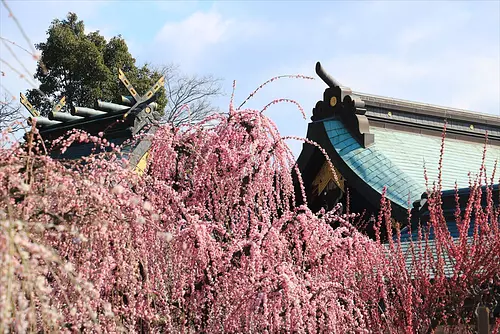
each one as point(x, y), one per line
point(10, 112)
point(193, 91)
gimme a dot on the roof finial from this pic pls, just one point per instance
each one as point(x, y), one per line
point(327, 78)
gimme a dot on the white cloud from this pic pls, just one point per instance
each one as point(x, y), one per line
point(189, 40)
point(197, 32)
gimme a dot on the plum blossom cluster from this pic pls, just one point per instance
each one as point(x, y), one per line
point(72, 242)
point(209, 240)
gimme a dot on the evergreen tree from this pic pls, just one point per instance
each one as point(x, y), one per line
point(84, 67)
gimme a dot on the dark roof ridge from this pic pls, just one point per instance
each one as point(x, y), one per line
point(428, 109)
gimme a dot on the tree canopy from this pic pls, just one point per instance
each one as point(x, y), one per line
point(84, 67)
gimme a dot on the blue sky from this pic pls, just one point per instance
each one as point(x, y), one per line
point(445, 53)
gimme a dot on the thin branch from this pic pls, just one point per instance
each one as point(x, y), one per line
point(194, 91)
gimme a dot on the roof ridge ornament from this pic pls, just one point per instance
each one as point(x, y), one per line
point(139, 100)
point(327, 78)
point(340, 102)
point(32, 110)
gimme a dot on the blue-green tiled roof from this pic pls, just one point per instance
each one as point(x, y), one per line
point(409, 150)
point(428, 232)
point(419, 245)
point(450, 224)
point(419, 251)
point(396, 160)
point(373, 166)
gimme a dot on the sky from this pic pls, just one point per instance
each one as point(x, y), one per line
point(443, 53)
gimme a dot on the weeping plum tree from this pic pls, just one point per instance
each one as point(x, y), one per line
point(208, 240)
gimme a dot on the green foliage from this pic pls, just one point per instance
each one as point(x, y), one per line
point(84, 67)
